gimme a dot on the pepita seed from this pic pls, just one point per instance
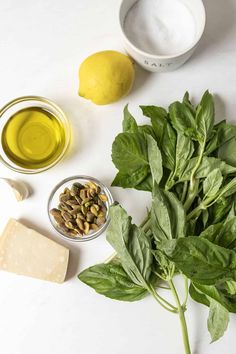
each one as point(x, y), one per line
point(64, 197)
point(66, 215)
point(86, 227)
point(69, 225)
point(90, 216)
point(94, 227)
point(76, 207)
point(80, 224)
point(94, 210)
point(83, 194)
point(59, 220)
point(100, 214)
point(86, 200)
point(100, 221)
point(83, 209)
point(80, 216)
point(103, 197)
point(72, 233)
point(72, 202)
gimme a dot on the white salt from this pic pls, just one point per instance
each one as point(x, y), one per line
point(160, 27)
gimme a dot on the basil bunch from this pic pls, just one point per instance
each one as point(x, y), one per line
point(188, 163)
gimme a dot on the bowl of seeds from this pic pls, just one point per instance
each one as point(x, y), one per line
point(78, 208)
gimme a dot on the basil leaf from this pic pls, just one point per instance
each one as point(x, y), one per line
point(184, 151)
point(200, 260)
point(183, 120)
point(207, 165)
point(228, 189)
point(211, 232)
point(205, 117)
point(112, 281)
point(215, 293)
point(146, 184)
point(227, 235)
point(147, 129)
point(168, 145)
point(218, 320)
point(129, 152)
point(158, 117)
point(227, 152)
point(188, 103)
point(220, 209)
point(129, 124)
point(132, 246)
point(155, 159)
point(212, 183)
point(223, 133)
point(198, 296)
point(131, 181)
point(168, 218)
point(230, 287)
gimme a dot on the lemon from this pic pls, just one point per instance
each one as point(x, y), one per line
point(105, 77)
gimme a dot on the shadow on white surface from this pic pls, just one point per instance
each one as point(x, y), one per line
point(220, 23)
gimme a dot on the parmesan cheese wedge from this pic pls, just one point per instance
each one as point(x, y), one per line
point(26, 252)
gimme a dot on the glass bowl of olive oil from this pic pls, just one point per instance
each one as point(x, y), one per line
point(35, 134)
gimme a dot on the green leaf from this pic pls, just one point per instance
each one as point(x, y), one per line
point(168, 146)
point(147, 129)
point(112, 281)
point(228, 189)
point(205, 117)
point(215, 293)
point(211, 232)
point(227, 152)
point(129, 152)
point(129, 123)
point(220, 209)
point(168, 218)
point(207, 165)
point(188, 103)
point(223, 133)
point(155, 159)
point(158, 117)
point(198, 296)
point(230, 288)
point(184, 151)
point(131, 181)
point(146, 184)
point(183, 120)
point(132, 246)
point(218, 320)
point(227, 235)
point(200, 260)
point(212, 183)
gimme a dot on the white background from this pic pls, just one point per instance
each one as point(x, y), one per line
point(42, 44)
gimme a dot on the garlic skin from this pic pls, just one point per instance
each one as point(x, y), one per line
point(19, 188)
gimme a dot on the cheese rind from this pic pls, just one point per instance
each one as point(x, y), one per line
point(26, 252)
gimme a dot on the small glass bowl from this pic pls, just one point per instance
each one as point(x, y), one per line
point(20, 103)
point(53, 202)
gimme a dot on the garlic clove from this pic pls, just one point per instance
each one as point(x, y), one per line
point(19, 188)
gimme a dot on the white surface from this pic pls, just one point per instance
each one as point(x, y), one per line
point(42, 44)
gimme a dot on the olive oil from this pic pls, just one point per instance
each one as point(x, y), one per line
point(33, 138)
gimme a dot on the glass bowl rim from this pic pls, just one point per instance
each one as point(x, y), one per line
point(65, 123)
point(93, 235)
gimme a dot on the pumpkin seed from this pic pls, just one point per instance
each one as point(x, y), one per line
point(103, 197)
point(66, 215)
point(86, 228)
point(94, 210)
point(80, 224)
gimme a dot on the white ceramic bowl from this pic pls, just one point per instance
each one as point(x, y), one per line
point(161, 63)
